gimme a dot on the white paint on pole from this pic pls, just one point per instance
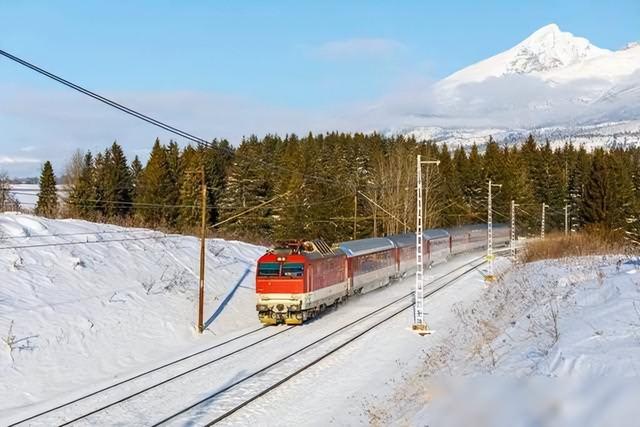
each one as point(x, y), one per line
point(490, 277)
point(544, 206)
point(419, 323)
point(513, 227)
point(419, 293)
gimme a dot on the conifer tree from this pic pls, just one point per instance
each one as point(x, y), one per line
point(173, 183)
point(292, 212)
point(595, 205)
point(136, 172)
point(247, 186)
point(155, 184)
point(100, 167)
point(217, 159)
point(190, 199)
point(578, 178)
point(82, 195)
point(474, 184)
point(47, 204)
point(117, 183)
point(451, 190)
point(621, 204)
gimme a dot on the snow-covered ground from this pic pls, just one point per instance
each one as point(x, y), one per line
point(554, 343)
point(84, 313)
point(550, 343)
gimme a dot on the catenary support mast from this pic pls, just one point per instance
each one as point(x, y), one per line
point(542, 225)
point(514, 205)
point(490, 277)
point(419, 323)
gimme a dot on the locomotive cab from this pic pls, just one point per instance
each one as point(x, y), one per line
point(280, 286)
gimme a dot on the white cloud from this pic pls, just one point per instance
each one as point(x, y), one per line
point(10, 160)
point(359, 48)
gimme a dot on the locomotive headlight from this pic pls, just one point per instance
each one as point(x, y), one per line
point(294, 307)
point(262, 307)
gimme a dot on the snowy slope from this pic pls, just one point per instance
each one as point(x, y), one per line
point(553, 343)
point(87, 312)
point(552, 79)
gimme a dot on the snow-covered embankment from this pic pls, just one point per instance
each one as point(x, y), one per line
point(82, 302)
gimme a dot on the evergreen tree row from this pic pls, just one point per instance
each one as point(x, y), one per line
point(337, 186)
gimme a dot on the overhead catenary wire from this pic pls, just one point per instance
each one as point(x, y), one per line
point(141, 116)
point(105, 100)
point(250, 210)
point(164, 205)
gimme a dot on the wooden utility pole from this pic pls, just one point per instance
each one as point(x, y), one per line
point(203, 234)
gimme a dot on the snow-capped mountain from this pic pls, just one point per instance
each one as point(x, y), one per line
point(545, 51)
point(551, 81)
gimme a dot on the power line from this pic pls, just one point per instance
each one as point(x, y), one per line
point(134, 113)
point(89, 233)
point(80, 202)
point(105, 100)
point(43, 245)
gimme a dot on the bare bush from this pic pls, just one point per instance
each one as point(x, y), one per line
point(592, 242)
point(14, 343)
point(7, 200)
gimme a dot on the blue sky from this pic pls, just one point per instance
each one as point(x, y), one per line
point(286, 59)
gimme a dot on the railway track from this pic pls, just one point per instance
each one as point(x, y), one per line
point(229, 398)
point(72, 410)
point(232, 398)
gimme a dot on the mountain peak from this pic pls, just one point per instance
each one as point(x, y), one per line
point(548, 29)
point(547, 49)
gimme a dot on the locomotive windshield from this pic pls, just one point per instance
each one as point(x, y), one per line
point(269, 269)
point(292, 269)
point(272, 269)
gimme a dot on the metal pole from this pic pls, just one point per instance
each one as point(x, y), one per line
point(418, 318)
point(203, 233)
point(490, 277)
point(489, 226)
point(544, 206)
point(419, 323)
point(513, 228)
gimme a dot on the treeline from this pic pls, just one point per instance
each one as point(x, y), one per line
point(337, 186)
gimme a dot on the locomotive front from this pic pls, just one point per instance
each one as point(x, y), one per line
point(280, 286)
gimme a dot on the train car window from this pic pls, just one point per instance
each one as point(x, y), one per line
point(293, 269)
point(269, 269)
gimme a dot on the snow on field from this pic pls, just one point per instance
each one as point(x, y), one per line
point(110, 303)
point(549, 343)
point(554, 343)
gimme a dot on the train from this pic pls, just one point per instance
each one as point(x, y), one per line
point(297, 280)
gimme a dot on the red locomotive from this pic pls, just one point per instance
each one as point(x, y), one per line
point(297, 280)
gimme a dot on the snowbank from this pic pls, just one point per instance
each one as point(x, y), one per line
point(81, 303)
point(552, 343)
